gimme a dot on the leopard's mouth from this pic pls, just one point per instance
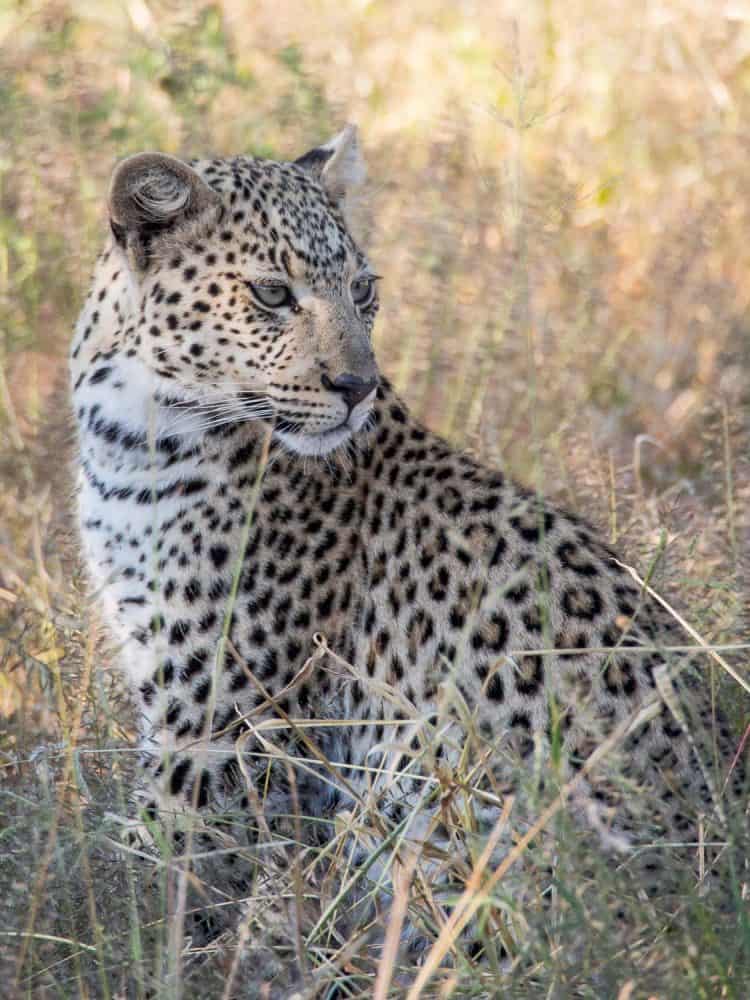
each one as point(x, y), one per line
point(323, 442)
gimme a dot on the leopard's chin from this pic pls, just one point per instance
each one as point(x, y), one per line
point(319, 443)
point(322, 443)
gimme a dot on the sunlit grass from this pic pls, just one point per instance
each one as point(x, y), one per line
point(560, 211)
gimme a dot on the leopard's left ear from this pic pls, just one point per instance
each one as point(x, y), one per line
point(338, 165)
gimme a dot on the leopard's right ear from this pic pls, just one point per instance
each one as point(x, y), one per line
point(338, 165)
point(151, 194)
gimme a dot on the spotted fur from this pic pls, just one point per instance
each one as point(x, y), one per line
point(229, 487)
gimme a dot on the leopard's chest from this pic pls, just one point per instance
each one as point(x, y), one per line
point(177, 569)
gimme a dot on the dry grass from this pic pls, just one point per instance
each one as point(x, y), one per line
point(560, 204)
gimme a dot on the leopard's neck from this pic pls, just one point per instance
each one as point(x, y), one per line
point(147, 463)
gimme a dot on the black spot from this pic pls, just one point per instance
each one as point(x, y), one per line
point(533, 524)
point(532, 619)
point(456, 618)
point(195, 664)
point(147, 691)
point(200, 797)
point(178, 776)
point(164, 674)
point(218, 555)
point(325, 606)
point(530, 675)
point(477, 640)
point(498, 552)
point(200, 694)
point(464, 556)
point(241, 456)
point(518, 593)
point(488, 503)
point(269, 665)
point(179, 632)
point(495, 689)
point(569, 555)
point(99, 375)
point(238, 681)
point(207, 621)
point(193, 486)
point(231, 775)
point(174, 710)
point(496, 632)
point(258, 635)
point(582, 603)
point(193, 590)
point(397, 668)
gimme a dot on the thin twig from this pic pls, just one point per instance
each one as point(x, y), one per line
point(688, 628)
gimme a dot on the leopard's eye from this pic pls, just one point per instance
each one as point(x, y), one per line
point(362, 291)
point(272, 296)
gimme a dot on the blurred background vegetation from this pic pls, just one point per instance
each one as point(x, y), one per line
point(559, 202)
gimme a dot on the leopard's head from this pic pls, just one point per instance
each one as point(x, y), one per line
point(252, 300)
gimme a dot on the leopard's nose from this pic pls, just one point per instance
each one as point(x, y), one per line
point(351, 387)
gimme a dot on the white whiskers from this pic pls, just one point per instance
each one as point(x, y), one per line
point(215, 407)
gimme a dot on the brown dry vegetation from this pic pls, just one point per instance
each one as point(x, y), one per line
point(559, 203)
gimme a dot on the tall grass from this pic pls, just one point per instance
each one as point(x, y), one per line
point(560, 206)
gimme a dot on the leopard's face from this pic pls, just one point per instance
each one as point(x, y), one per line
point(259, 305)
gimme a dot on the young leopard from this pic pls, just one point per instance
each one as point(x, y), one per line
point(249, 479)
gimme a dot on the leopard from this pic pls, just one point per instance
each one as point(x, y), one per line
point(293, 568)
